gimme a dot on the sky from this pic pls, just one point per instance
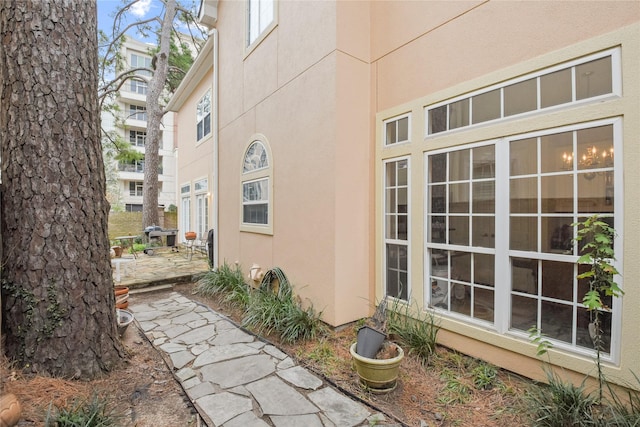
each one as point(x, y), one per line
point(107, 8)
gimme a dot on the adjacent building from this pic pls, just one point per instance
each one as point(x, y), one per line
point(433, 153)
point(131, 125)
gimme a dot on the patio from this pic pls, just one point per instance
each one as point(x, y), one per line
point(164, 267)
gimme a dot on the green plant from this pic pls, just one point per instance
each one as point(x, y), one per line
point(96, 412)
point(560, 403)
point(484, 376)
point(418, 332)
point(597, 252)
point(455, 389)
point(227, 282)
point(273, 308)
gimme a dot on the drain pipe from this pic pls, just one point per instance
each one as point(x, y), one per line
point(216, 135)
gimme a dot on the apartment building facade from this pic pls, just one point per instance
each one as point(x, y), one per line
point(131, 125)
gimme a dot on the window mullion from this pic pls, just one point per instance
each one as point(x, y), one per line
point(502, 262)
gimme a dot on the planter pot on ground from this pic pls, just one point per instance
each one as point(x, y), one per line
point(117, 250)
point(369, 341)
point(124, 319)
point(380, 375)
point(122, 297)
point(9, 410)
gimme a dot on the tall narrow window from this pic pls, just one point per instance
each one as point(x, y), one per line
point(203, 117)
point(396, 228)
point(185, 208)
point(256, 187)
point(261, 15)
point(200, 189)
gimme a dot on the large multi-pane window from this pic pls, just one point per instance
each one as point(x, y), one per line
point(500, 232)
point(203, 116)
point(461, 230)
point(555, 180)
point(576, 81)
point(256, 185)
point(396, 228)
point(260, 16)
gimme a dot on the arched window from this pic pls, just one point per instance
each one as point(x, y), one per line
point(257, 186)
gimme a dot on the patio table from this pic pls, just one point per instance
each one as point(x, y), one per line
point(131, 239)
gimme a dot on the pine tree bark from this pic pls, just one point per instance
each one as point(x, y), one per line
point(57, 289)
point(155, 113)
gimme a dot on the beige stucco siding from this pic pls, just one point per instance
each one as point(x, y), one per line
point(458, 44)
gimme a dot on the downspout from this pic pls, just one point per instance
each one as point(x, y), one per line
point(216, 185)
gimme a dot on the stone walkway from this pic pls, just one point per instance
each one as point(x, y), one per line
point(236, 380)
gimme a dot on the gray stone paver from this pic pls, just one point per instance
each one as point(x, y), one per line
point(235, 379)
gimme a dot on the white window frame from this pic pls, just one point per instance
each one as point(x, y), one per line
point(396, 119)
point(503, 254)
point(138, 190)
point(138, 112)
point(141, 61)
point(138, 86)
point(203, 117)
point(616, 91)
point(257, 170)
point(261, 19)
point(201, 195)
point(137, 138)
point(185, 209)
point(392, 215)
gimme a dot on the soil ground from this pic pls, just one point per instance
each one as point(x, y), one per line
point(144, 392)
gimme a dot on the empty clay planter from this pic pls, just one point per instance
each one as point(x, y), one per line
point(380, 375)
point(124, 319)
point(122, 297)
point(369, 341)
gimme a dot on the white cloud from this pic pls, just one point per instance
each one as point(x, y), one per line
point(141, 8)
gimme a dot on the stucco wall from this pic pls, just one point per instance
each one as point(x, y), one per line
point(286, 90)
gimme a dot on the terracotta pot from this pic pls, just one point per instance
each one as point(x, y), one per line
point(117, 250)
point(380, 375)
point(190, 235)
point(122, 297)
point(9, 410)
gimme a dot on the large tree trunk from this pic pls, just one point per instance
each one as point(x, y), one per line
point(58, 302)
point(154, 112)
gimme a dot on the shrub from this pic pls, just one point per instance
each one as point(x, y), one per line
point(560, 403)
point(227, 282)
point(484, 376)
point(278, 311)
point(416, 332)
point(83, 413)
